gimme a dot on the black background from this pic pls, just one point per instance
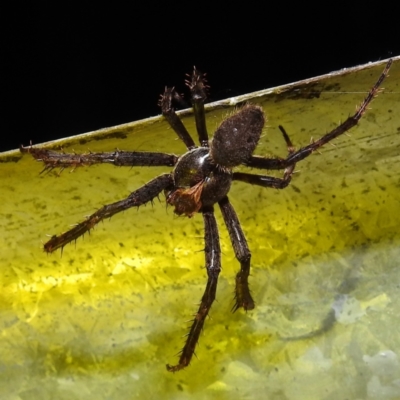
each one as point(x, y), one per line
point(69, 70)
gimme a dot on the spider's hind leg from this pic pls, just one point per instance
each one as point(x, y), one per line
point(242, 252)
point(213, 266)
point(169, 114)
point(198, 88)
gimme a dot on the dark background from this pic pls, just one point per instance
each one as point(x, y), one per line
point(70, 70)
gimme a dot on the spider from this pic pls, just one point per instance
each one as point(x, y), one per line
point(200, 179)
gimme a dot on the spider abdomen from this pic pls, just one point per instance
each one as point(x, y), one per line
point(237, 136)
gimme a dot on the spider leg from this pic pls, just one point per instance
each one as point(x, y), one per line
point(270, 181)
point(279, 163)
point(264, 180)
point(170, 115)
point(140, 196)
point(54, 159)
point(242, 292)
point(198, 88)
point(213, 265)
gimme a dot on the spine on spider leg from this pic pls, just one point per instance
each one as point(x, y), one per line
point(53, 159)
point(373, 92)
point(242, 252)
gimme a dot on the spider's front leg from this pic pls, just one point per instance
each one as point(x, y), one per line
point(137, 198)
point(213, 265)
point(55, 159)
point(198, 90)
point(198, 87)
point(169, 114)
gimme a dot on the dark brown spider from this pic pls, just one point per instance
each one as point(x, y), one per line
point(201, 178)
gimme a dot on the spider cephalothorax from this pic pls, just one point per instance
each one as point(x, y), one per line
point(200, 179)
point(203, 176)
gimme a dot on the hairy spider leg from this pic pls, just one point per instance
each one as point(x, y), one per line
point(279, 163)
point(198, 87)
point(213, 265)
point(54, 159)
point(137, 198)
point(242, 252)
